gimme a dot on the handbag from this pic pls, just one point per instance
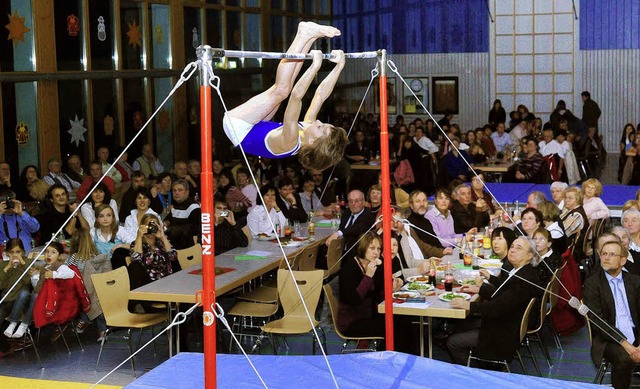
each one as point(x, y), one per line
point(404, 173)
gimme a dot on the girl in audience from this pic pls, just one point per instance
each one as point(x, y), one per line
point(548, 260)
point(478, 192)
point(143, 202)
point(553, 224)
point(631, 223)
point(593, 205)
point(531, 220)
point(109, 237)
point(308, 197)
point(374, 197)
point(163, 192)
point(151, 253)
point(100, 195)
point(258, 218)
point(83, 252)
point(20, 297)
point(30, 187)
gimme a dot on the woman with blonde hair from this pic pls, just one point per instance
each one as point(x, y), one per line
point(593, 205)
point(575, 220)
point(553, 224)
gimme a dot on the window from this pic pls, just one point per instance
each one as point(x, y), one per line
point(101, 34)
point(69, 35)
point(132, 35)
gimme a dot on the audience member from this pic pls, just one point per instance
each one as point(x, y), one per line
point(5, 176)
point(143, 203)
point(467, 214)
point(547, 260)
point(15, 220)
point(262, 216)
point(124, 168)
point(95, 173)
point(308, 197)
point(529, 168)
point(162, 194)
point(20, 300)
point(152, 255)
point(478, 192)
point(147, 163)
point(103, 158)
point(631, 223)
point(574, 220)
point(593, 205)
point(557, 193)
point(30, 187)
point(500, 138)
point(181, 171)
point(289, 202)
point(227, 234)
point(100, 195)
point(497, 113)
point(75, 171)
point(55, 212)
point(421, 228)
point(183, 222)
point(109, 237)
point(56, 176)
point(633, 259)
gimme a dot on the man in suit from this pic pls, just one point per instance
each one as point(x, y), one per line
point(355, 221)
point(289, 202)
point(613, 297)
point(497, 335)
point(422, 232)
point(467, 214)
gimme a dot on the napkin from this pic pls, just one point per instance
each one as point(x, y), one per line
point(323, 223)
point(248, 257)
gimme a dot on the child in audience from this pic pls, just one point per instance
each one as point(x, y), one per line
point(109, 237)
point(20, 296)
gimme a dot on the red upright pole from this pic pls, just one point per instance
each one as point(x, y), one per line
point(208, 260)
point(386, 201)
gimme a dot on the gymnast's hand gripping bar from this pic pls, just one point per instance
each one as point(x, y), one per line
point(221, 53)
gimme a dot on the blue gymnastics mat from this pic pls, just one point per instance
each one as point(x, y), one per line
point(366, 370)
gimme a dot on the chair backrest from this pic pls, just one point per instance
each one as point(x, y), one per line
point(587, 243)
point(190, 256)
point(333, 306)
point(334, 254)
point(310, 284)
point(524, 324)
point(112, 289)
point(554, 286)
point(308, 257)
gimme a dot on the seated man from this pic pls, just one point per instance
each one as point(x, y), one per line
point(354, 222)
point(75, 171)
point(423, 232)
point(183, 223)
point(289, 202)
point(467, 214)
point(227, 234)
point(95, 172)
point(317, 145)
point(16, 221)
point(56, 176)
point(147, 163)
point(497, 335)
point(103, 157)
point(181, 171)
point(55, 211)
point(613, 297)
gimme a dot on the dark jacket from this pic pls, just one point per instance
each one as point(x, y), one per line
point(465, 219)
point(292, 213)
point(427, 242)
point(184, 224)
point(599, 299)
point(499, 336)
point(352, 233)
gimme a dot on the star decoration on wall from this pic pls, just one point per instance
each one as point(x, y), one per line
point(135, 37)
point(16, 28)
point(77, 131)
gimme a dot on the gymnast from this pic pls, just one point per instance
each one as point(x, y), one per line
point(318, 145)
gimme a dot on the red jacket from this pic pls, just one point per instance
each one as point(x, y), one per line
point(59, 301)
point(88, 183)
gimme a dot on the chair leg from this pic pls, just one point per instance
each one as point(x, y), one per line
point(133, 363)
point(153, 334)
point(524, 369)
point(101, 346)
point(556, 337)
point(35, 348)
point(469, 359)
point(139, 339)
point(64, 339)
point(73, 328)
point(533, 359)
point(545, 349)
point(313, 345)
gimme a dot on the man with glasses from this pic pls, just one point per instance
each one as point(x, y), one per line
point(613, 297)
point(355, 221)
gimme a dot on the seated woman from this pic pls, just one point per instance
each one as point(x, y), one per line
point(308, 197)
point(317, 145)
point(19, 300)
point(152, 255)
point(223, 181)
point(575, 220)
point(530, 220)
point(455, 163)
point(143, 202)
point(109, 237)
point(258, 219)
point(30, 187)
point(553, 224)
point(442, 221)
point(374, 198)
point(548, 260)
point(162, 192)
point(478, 192)
point(100, 195)
point(362, 289)
point(631, 223)
point(593, 205)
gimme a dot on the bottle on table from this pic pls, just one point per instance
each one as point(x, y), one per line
point(448, 278)
point(287, 230)
point(277, 227)
point(432, 273)
point(462, 246)
point(468, 253)
point(486, 239)
point(311, 229)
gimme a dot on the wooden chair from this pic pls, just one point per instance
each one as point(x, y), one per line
point(553, 300)
point(190, 256)
point(334, 256)
point(267, 292)
point(524, 326)
point(307, 258)
point(334, 305)
point(112, 289)
point(295, 320)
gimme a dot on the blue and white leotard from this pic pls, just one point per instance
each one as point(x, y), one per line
point(254, 137)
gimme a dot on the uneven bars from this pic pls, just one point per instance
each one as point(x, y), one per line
point(220, 53)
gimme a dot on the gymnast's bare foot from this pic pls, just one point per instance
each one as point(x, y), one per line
point(314, 31)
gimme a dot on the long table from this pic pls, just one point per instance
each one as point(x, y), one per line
point(181, 287)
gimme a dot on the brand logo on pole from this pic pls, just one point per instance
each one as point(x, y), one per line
point(206, 233)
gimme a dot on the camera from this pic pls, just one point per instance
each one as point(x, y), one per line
point(9, 201)
point(224, 213)
point(152, 228)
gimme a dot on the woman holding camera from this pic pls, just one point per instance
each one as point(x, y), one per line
point(151, 253)
point(143, 202)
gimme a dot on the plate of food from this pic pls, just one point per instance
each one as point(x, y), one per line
point(263, 236)
point(490, 263)
point(291, 243)
point(448, 296)
point(466, 277)
point(417, 286)
point(418, 279)
point(405, 294)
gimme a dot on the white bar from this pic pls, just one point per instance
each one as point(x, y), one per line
point(220, 53)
